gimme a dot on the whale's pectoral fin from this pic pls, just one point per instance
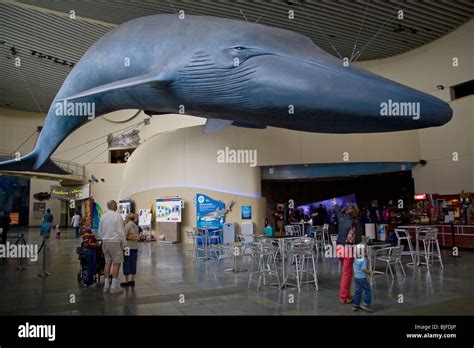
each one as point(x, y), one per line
point(136, 81)
point(247, 125)
point(215, 125)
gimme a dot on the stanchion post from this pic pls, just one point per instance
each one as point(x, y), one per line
point(45, 246)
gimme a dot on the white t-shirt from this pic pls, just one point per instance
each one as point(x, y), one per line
point(76, 220)
point(111, 227)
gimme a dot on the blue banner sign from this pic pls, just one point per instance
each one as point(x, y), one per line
point(209, 212)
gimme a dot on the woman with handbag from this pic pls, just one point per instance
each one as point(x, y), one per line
point(349, 234)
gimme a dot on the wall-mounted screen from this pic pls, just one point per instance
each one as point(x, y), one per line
point(125, 208)
point(168, 209)
point(246, 211)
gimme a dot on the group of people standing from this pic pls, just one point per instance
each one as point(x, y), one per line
point(119, 245)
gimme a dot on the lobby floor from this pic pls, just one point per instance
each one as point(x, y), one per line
point(167, 274)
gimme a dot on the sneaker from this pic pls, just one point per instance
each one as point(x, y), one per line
point(131, 283)
point(125, 284)
point(116, 291)
point(366, 308)
point(346, 302)
point(355, 308)
point(106, 290)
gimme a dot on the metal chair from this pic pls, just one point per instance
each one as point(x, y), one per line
point(304, 262)
point(392, 255)
point(221, 252)
point(215, 236)
point(195, 234)
point(292, 230)
point(430, 240)
point(326, 237)
point(333, 240)
point(262, 263)
point(403, 234)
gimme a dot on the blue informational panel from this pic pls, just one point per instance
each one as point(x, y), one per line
point(246, 212)
point(209, 212)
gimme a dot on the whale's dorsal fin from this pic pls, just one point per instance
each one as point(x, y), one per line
point(146, 79)
point(215, 125)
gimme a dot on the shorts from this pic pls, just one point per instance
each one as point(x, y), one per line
point(113, 252)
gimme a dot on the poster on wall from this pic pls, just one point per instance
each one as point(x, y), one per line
point(125, 208)
point(96, 216)
point(168, 209)
point(246, 212)
point(144, 217)
point(209, 212)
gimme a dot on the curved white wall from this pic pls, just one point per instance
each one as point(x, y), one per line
point(188, 158)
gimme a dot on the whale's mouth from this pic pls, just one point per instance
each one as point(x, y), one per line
point(203, 84)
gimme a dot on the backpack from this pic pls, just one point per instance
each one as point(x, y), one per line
point(351, 235)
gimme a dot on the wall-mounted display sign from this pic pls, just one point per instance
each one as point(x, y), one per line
point(76, 193)
point(144, 217)
point(168, 209)
point(209, 212)
point(420, 197)
point(15, 218)
point(246, 212)
point(124, 208)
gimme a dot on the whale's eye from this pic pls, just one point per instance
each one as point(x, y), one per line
point(239, 48)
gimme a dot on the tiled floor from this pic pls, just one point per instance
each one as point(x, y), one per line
point(168, 272)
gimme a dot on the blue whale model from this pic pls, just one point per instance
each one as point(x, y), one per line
point(232, 73)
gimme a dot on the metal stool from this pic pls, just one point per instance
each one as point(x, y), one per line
point(430, 240)
point(403, 234)
point(304, 263)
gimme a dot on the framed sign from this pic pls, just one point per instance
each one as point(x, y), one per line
point(125, 208)
point(15, 218)
point(144, 217)
point(246, 211)
point(168, 209)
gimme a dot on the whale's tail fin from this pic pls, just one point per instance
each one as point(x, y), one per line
point(27, 164)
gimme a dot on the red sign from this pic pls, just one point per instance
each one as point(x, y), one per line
point(420, 197)
point(15, 217)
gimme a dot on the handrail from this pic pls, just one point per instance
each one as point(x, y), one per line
point(72, 168)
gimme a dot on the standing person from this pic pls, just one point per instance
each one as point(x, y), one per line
point(360, 281)
point(5, 226)
point(47, 223)
point(279, 218)
point(111, 231)
point(132, 234)
point(75, 221)
point(349, 233)
point(374, 214)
